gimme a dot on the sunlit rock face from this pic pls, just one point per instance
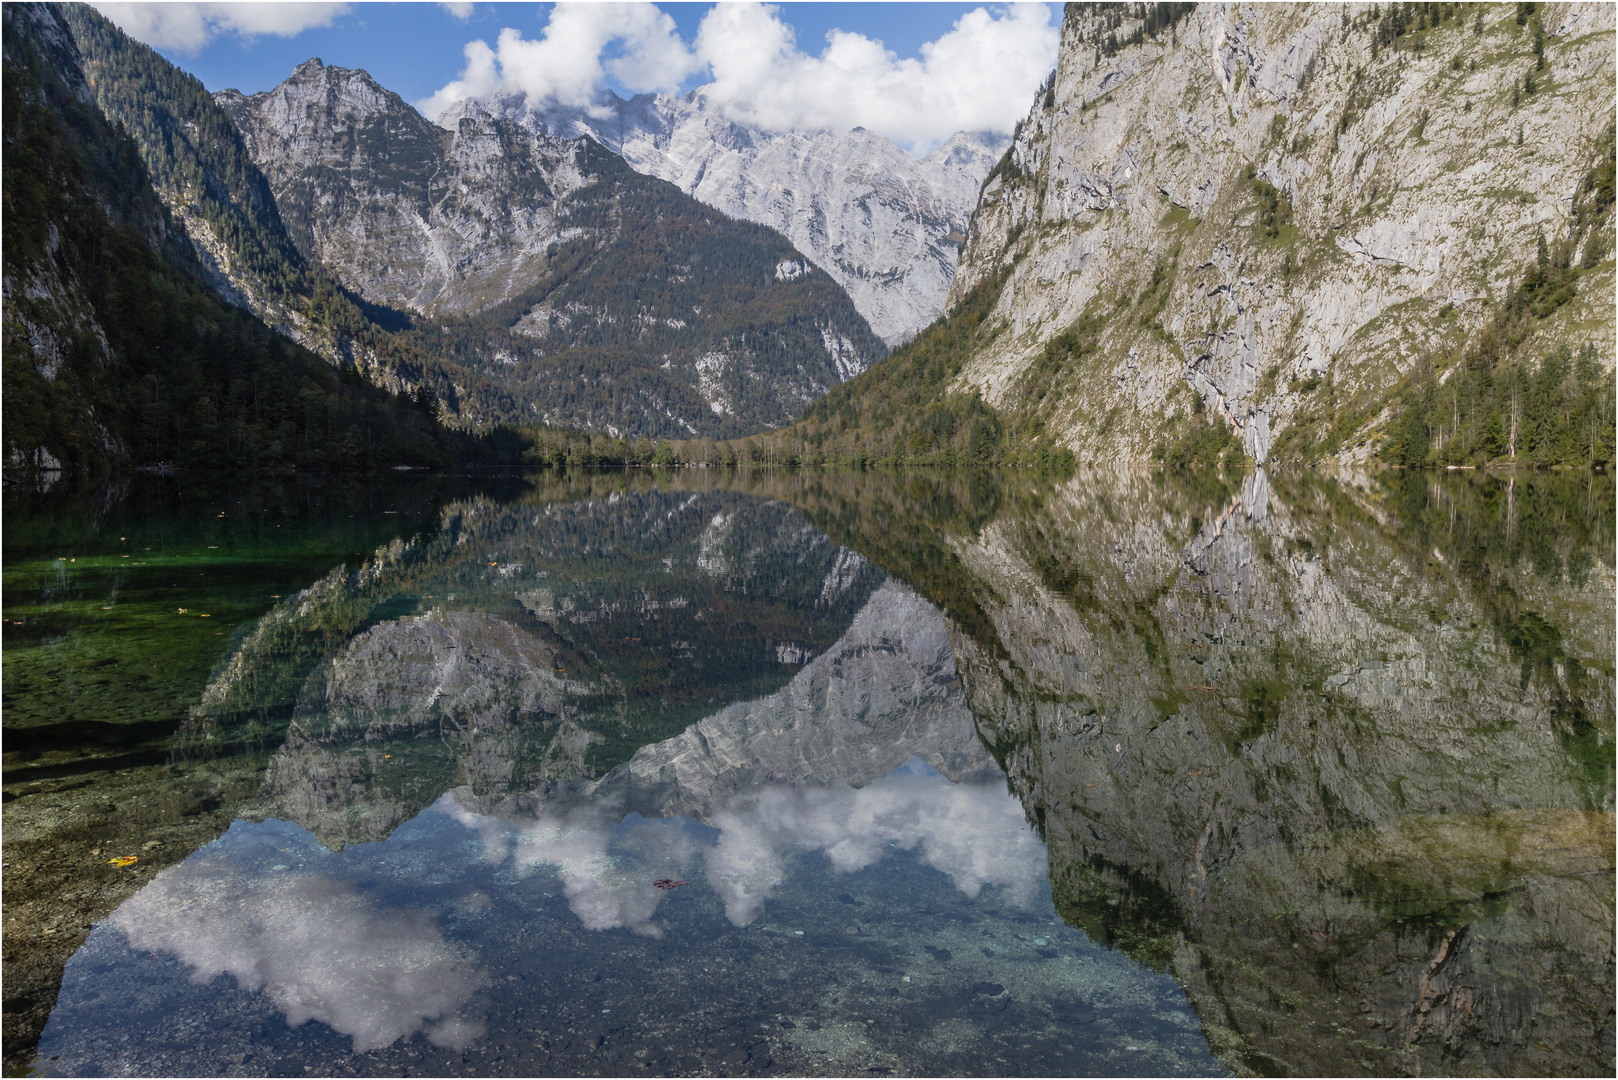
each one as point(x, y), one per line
point(1271, 210)
point(1315, 750)
point(406, 213)
point(882, 222)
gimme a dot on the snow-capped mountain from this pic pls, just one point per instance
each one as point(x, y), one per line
point(882, 222)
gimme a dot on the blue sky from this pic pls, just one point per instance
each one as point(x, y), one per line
point(415, 48)
point(914, 72)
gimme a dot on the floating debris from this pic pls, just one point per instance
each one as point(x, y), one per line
point(124, 860)
point(668, 883)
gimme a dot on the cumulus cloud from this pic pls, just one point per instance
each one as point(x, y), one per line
point(567, 63)
point(316, 947)
point(188, 27)
point(460, 9)
point(979, 76)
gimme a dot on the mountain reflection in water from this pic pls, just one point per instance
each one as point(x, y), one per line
point(1337, 758)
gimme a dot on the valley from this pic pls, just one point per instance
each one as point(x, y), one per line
point(1043, 540)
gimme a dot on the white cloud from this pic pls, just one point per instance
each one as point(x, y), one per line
point(979, 76)
point(189, 27)
point(460, 9)
point(567, 64)
point(318, 948)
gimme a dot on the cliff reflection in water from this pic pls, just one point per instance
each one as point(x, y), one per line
point(1338, 757)
point(568, 701)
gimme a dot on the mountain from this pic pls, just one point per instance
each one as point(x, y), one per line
point(117, 350)
point(201, 169)
point(1300, 221)
point(585, 293)
point(1279, 233)
point(1317, 750)
point(883, 223)
point(438, 260)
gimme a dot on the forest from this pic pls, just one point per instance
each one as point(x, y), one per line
point(1506, 397)
point(159, 369)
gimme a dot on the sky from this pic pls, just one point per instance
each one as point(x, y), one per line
point(915, 72)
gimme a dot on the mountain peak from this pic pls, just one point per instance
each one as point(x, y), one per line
point(815, 188)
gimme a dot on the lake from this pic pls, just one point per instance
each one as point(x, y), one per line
point(699, 772)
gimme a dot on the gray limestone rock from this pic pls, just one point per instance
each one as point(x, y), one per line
point(1272, 212)
point(883, 223)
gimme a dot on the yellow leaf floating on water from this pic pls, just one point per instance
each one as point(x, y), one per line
point(124, 860)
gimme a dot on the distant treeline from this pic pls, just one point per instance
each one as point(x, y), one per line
point(902, 411)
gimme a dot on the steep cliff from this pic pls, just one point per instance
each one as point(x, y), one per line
point(1340, 759)
point(117, 349)
point(1280, 214)
point(582, 292)
point(882, 222)
point(200, 167)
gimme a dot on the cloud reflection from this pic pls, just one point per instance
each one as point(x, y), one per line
point(974, 833)
point(318, 948)
point(606, 866)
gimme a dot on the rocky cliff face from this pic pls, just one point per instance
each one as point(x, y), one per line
point(577, 290)
point(1318, 772)
point(883, 223)
point(50, 319)
point(106, 302)
point(1274, 212)
point(407, 214)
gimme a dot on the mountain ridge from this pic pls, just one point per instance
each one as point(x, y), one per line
point(584, 293)
point(873, 216)
point(419, 257)
point(118, 351)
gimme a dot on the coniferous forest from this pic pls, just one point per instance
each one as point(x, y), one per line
point(117, 350)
